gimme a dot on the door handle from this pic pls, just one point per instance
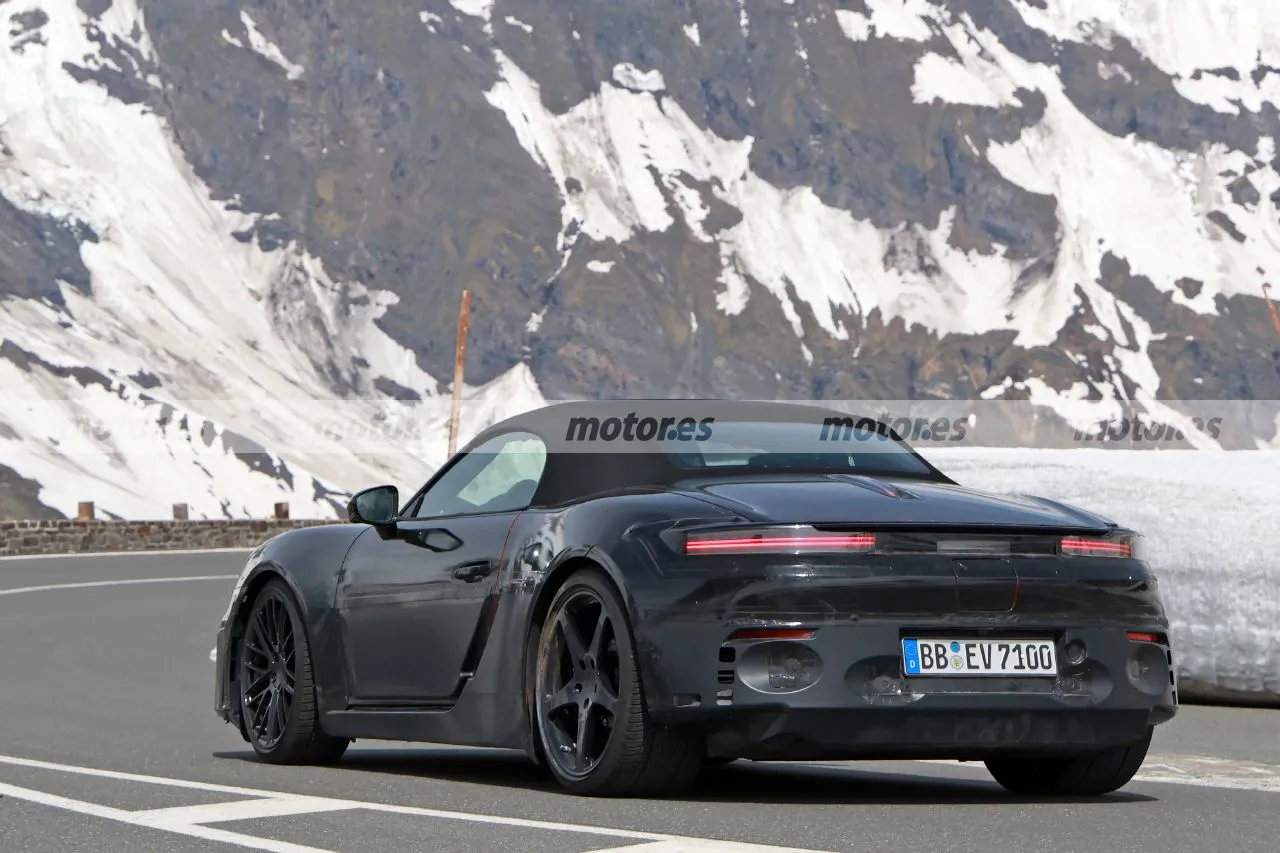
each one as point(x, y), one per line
point(474, 571)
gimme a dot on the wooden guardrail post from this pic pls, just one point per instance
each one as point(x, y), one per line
point(459, 360)
point(282, 511)
point(180, 512)
point(85, 510)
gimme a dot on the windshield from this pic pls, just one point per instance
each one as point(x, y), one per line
point(785, 445)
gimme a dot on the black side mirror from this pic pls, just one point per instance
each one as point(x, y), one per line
point(377, 506)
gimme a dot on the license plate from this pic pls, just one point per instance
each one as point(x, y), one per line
point(936, 656)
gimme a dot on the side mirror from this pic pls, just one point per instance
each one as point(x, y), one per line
point(377, 506)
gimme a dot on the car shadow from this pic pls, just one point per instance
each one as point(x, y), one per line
point(740, 782)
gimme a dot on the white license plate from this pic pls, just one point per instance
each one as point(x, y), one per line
point(936, 656)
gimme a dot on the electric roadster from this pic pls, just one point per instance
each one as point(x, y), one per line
point(628, 591)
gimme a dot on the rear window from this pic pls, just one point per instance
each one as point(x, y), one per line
point(782, 446)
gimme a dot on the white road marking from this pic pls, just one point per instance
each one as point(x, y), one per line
point(132, 818)
point(121, 582)
point(1193, 770)
point(153, 552)
point(254, 809)
point(699, 845)
point(189, 820)
point(1208, 772)
point(121, 776)
point(1148, 767)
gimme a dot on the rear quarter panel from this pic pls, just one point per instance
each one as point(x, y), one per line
point(544, 548)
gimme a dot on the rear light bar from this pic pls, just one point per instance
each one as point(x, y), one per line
point(1143, 637)
point(1079, 546)
point(779, 540)
point(772, 634)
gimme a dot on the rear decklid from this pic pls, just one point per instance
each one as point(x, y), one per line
point(840, 499)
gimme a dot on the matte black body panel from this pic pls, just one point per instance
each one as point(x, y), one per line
point(885, 501)
point(417, 644)
point(408, 613)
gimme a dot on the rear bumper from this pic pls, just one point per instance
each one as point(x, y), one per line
point(863, 706)
point(817, 734)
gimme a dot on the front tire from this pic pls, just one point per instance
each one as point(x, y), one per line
point(277, 693)
point(589, 710)
point(1089, 775)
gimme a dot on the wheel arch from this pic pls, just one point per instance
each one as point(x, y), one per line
point(261, 575)
point(557, 576)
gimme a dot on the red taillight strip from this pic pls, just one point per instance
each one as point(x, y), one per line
point(745, 543)
point(1143, 637)
point(772, 634)
point(1096, 547)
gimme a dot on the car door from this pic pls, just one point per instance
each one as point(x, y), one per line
point(410, 598)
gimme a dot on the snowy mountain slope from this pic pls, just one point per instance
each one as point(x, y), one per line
point(235, 208)
point(179, 308)
point(635, 158)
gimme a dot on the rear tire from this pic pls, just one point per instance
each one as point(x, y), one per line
point(1089, 775)
point(589, 710)
point(277, 693)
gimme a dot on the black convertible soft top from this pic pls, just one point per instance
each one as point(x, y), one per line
point(601, 446)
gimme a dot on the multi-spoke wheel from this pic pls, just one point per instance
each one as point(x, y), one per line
point(590, 716)
point(277, 695)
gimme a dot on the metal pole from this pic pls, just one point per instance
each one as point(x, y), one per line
point(464, 318)
point(1275, 318)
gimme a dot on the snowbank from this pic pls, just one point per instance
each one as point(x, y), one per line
point(1213, 533)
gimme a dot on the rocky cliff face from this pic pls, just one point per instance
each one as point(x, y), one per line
point(863, 199)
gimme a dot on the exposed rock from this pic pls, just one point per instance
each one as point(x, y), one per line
point(20, 497)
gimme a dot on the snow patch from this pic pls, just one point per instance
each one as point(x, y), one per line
point(1107, 70)
point(431, 19)
point(691, 31)
point(516, 22)
point(906, 20)
point(969, 80)
point(1182, 37)
point(1097, 331)
point(482, 9)
point(600, 266)
point(264, 47)
point(855, 25)
point(628, 76)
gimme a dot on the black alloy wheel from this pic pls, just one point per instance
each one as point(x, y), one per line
point(595, 734)
point(277, 694)
point(268, 678)
point(578, 683)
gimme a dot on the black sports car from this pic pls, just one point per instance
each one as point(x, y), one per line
point(628, 590)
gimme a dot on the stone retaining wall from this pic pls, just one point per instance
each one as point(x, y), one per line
point(71, 536)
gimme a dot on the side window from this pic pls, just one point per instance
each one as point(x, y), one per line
point(500, 475)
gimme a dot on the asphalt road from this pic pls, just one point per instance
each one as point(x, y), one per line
point(108, 742)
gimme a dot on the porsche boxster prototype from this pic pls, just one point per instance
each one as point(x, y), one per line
point(629, 591)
